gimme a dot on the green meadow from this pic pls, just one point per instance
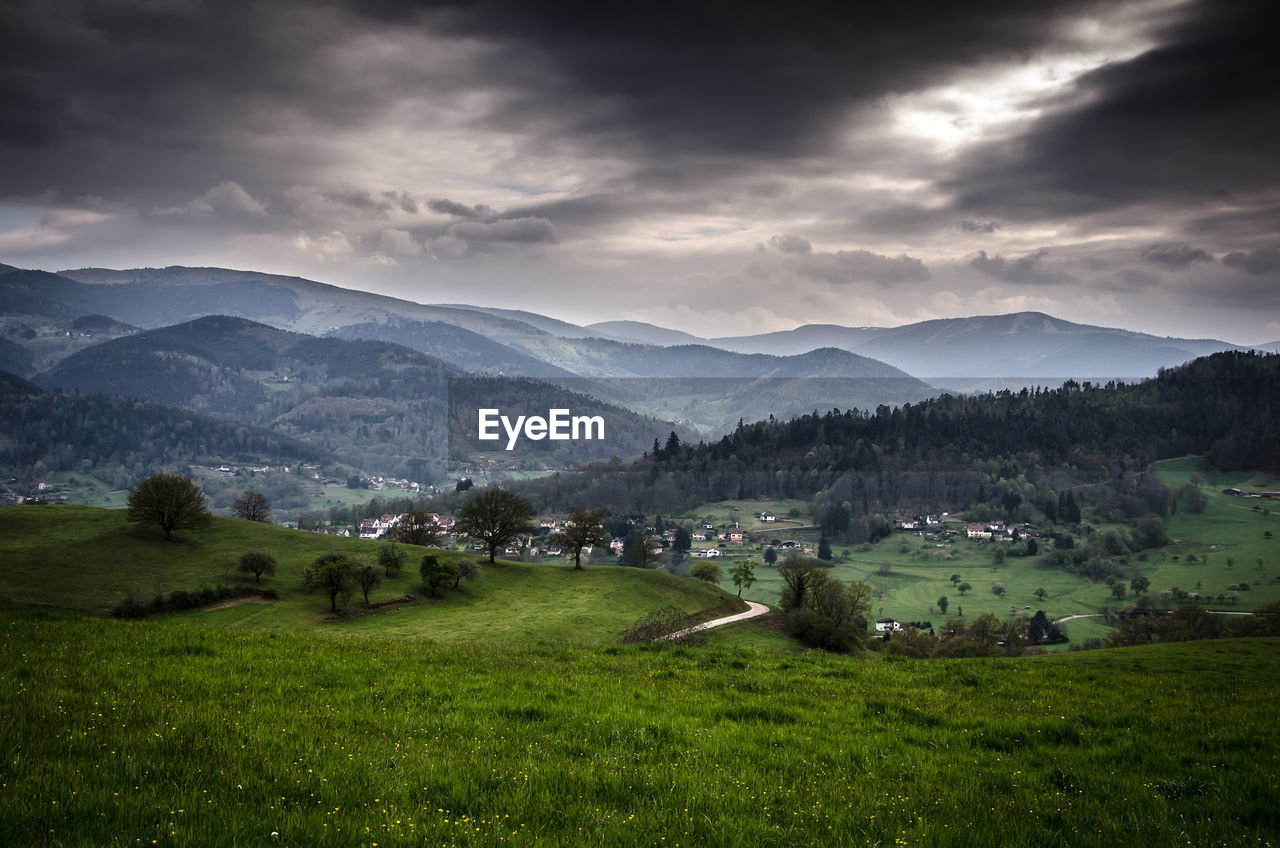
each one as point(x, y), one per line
point(166, 733)
point(86, 559)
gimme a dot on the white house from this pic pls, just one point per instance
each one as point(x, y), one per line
point(888, 625)
point(768, 517)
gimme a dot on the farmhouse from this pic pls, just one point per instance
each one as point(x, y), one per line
point(768, 517)
point(887, 625)
point(735, 533)
point(977, 531)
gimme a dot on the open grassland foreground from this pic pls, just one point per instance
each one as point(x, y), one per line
point(127, 733)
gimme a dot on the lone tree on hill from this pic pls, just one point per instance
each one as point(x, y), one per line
point(252, 506)
point(707, 572)
point(744, 573)
point(391, 558)
point(943, 603)
point(583, 529)
point(417, 528)
point(437, 573)
point(468, 569)
point(368, 576)
point(257, 563)
point(495, 517)
point(169, 500)
point(334, 573)
point(964, 587)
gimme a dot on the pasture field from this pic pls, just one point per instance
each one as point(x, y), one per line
point(163, 733)
point(1226, 540)
point(85, 559)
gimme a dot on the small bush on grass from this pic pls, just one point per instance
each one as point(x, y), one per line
point(659, 627)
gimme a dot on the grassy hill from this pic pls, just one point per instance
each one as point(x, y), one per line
point(85, 559)
point(123, 733)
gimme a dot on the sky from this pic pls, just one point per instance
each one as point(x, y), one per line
point(721, 167)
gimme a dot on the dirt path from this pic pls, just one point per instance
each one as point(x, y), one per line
point(755, 610)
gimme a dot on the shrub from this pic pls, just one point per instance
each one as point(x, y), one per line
point(660, 625)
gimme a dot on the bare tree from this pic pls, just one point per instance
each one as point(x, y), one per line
point(582, 530)
point(417, 528)
point(495, 517)
point(252, 506)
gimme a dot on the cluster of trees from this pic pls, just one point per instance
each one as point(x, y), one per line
point(1191, 622)
point(983, 636)
point(819, 610)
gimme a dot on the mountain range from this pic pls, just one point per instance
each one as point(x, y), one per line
point(297, 346)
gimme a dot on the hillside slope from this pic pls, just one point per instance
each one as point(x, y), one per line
point(86, 559)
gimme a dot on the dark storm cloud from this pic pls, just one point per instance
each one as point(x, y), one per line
point(969, 225)
point(843, 267)
point(1263, 260)
point(749, 78)
point(1175, 256)
point(1027, 270)
point(459, 210)
point(32, 113)
point(156, 98)
point(1192, 121)
point(157, 90)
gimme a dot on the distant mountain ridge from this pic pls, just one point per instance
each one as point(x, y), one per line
point(1021, 345)
point(968, 354)
point(480, 340)
point(374, 404)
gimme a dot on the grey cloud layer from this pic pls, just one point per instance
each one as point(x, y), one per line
point(409, 131)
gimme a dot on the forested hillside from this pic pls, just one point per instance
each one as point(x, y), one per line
point(120, 439)
point(372, 405)
point(955, 451)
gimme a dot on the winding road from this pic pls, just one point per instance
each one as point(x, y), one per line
point(1099, 615)
point(755, 610)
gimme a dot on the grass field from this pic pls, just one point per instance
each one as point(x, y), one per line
point(82, 558)
point(158, 733)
